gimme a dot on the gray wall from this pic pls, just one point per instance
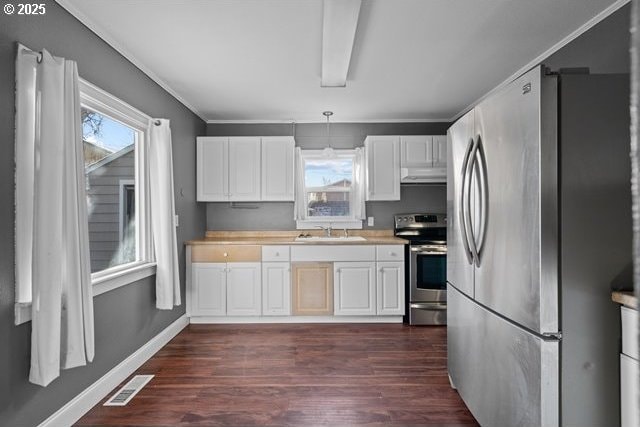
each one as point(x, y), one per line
point(279, 215)
point(125, 318)
point(604, 48)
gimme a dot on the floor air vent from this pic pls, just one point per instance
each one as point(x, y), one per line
point(130, 389)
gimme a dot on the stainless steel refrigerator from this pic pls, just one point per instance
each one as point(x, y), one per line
point(539, 225)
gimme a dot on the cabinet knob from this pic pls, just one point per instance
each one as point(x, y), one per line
point(392, 253)
point(381, 270)
point(225, 254)
point(277, 253)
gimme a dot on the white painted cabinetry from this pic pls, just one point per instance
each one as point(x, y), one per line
point(354, 288)
point(629, 369)
point(276, 281)
point(212, 169)
point(390, 288)
point(244, 288)
point(244, 169)
point(383, 167)
point(277, 168)
point(226, 289)
point(423, 158)
point(209, 293)
point(416, 151)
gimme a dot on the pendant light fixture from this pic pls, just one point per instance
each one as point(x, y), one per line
point(328, 151)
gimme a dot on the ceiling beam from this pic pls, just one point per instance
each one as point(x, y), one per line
point(339, 24)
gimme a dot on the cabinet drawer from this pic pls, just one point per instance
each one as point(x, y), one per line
point(630, 332)
point(329, 253)
point(225, 253)
point(275, 253)
point(390, 253)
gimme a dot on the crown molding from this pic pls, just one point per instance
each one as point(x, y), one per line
point(106, 36)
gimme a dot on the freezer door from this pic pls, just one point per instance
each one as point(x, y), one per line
point(517, 256)
point(505, 375)
point(459, 260)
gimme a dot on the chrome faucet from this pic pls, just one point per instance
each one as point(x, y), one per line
point(327, 230)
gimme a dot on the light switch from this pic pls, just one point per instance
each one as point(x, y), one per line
point(370, 221)
point(177, 217)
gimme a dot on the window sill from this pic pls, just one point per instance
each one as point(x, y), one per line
point(102, 284)
point(336, 224)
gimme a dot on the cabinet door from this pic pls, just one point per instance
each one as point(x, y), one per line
point(212, 169)
point(390, 288)
point(383, 167)
point(209, 281)
point(355, 288)
point(244, 168)
point(312, 289)
point(629, 391)
point(277, 168)
point(276, 288)
point(440, 151)
point(417, 151)
point(243, 289)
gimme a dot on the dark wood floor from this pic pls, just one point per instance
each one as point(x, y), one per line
point(297, 375)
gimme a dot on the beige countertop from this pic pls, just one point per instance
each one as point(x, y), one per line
point(625, 298)
point(373, 237)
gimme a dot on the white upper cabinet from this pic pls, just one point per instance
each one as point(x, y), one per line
point(277, 168)
point(212, 169)
point(416, 151)
point(423, 158)
point(244, 168)
point(383, 167)
point(440, 151)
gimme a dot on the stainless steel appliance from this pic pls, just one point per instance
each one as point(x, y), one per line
point(539, 224)
point(426, 266)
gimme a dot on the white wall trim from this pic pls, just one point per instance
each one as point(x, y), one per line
point(294, 319)
point(104, 35)
point(553, 49)
point(82, 403)
point(290, 121)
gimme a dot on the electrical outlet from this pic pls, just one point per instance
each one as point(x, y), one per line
point(177, 217)
point(370, 221)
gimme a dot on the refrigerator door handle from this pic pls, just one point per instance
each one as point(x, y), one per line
point(480, 166)
point(467, 217)
point(463, 201)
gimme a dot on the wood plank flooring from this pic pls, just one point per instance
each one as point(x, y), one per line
point(295, 375)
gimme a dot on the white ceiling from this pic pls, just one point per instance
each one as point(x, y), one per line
point(260, 60)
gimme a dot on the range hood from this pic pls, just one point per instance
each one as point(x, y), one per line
point(423, 175)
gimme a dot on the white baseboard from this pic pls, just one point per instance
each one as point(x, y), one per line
point(295, 319)
point(82, 403)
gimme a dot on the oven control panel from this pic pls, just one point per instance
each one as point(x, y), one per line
point(425, 220)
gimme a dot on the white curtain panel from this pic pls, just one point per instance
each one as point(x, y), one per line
point(163, 221)
point(62, 302)
point(299, 207)
point(359, 209)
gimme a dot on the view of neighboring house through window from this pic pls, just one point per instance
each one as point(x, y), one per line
point(329, 187)
point(110, 167)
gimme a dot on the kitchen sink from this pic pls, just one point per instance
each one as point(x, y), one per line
point(330, 239)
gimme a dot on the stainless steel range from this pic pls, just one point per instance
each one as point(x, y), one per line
point(426, 265)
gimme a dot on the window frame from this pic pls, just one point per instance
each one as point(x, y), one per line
point(102, 102)
point(96, 99)
point(323, 221)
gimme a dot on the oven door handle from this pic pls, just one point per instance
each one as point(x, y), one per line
point(428, 305)
point(427, 253)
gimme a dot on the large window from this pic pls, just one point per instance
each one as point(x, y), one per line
point(116, 175)
point(332, 188)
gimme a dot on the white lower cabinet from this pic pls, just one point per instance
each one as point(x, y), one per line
point(209, 296)
point(243, 289)
point(276, 289)
point(390, 288)
point(354, 288)
point(226, 289)
point(629, 392)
